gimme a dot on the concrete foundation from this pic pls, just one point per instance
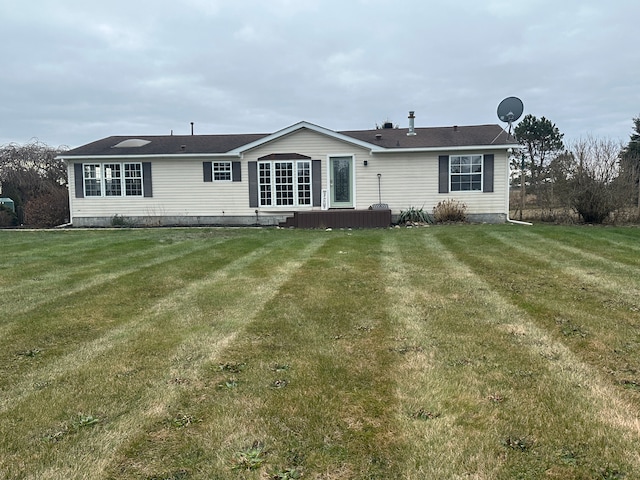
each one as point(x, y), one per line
point(262, 220)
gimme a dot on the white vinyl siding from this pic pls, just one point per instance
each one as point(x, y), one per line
point(317, 147)
point(411, 180)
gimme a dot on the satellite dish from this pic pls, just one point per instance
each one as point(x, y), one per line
point(510, 110)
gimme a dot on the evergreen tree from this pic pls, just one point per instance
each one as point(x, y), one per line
point(630, 161)
point(541, 141)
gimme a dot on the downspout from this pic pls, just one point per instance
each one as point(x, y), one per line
point(70, 199)
point(517, 222)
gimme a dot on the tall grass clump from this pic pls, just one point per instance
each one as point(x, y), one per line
point(414, 215)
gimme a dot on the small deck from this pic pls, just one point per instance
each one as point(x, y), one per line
point(339, 219)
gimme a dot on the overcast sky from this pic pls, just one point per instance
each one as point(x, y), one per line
point(75, 71)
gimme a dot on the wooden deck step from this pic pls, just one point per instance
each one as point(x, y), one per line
point(339, 219)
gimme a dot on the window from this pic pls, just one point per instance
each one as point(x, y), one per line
point(304, 183)
point(221, 171)
point(133, 179)
point(107, 180)
point(92, 180)
point(284, 183)
point(112, 180)
point(465, 172)
point(264, 173)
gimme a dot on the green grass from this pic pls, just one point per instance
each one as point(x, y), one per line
point(470, 351)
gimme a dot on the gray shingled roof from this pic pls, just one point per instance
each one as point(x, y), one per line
point(167, 144)
point(435, 137)
point(384, 139)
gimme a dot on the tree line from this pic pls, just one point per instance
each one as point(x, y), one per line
point(36, 181)
point(596, 179)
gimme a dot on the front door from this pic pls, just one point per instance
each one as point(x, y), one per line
point(341, 181)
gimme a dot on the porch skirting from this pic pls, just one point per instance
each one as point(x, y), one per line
point(340, 219)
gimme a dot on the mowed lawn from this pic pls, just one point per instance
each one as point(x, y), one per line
point(444, 352)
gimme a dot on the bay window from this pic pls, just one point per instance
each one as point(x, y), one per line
point(284, 183)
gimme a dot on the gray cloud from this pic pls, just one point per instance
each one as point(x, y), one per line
point(77, 71)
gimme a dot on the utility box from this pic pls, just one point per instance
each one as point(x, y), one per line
point(7, 202)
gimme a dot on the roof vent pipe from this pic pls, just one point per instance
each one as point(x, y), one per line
point(191, 128)
point(412, 118)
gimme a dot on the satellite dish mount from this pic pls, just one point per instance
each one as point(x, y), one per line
point(510, 110)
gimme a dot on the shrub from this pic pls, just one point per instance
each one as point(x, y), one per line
point(450, 211)
point(589, 180)
point(8, 217)
point(120, 221)
point(414, 215)
point(48, 210)
point(592, 199)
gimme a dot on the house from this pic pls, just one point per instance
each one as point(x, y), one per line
point(247, 179)
point(8, 203)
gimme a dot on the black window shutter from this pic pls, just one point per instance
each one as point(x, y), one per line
point(207, 172)
point(253, 184)
point(316, 182)
point(443, 174)
point(78, 176)
point(236, 172)
point(487, 174)
point(146, 179)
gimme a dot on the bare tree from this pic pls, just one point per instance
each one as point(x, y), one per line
point(588, 178)
point(30, 172)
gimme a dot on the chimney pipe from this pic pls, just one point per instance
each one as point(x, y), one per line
point(191, 128)
point(412, 118)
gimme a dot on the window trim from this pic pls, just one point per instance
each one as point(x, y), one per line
point(112, 179)
point(91, 181)
point(101, 178)
point(131, 181)
point(228, 170)
point(471, 182)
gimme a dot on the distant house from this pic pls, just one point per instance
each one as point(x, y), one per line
point(246, 179)
point(8, 203)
